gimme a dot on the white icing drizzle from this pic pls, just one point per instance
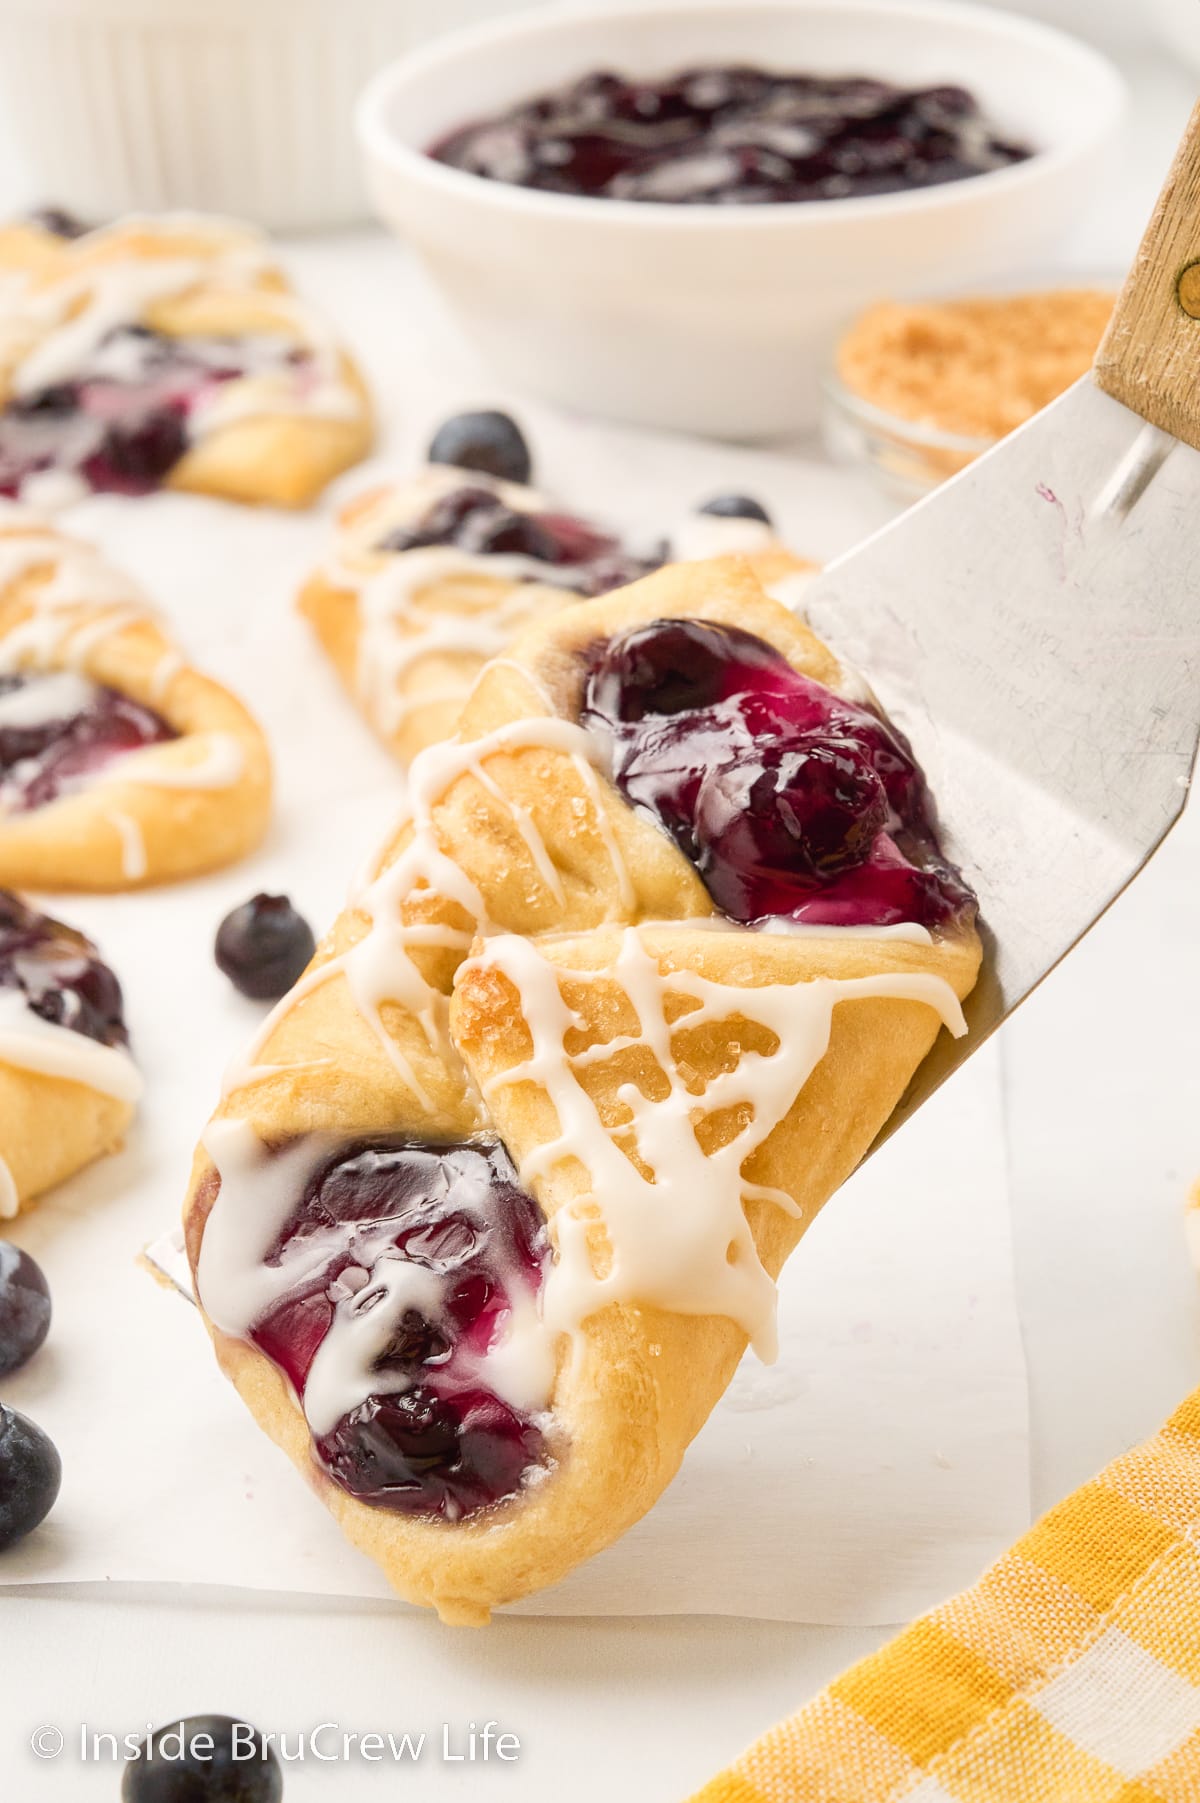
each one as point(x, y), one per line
point(679, 1238)
point(220, 764)
point(79, 579)
point(379, 967)
point(133, 845)
point(259, 1191)
point(50, 330)
point(395, 632)
point(703, 535)
point(58, 695)
point(82, 602)
point(10, 1201)
point(169, 666)
point(676, 1228)
point(33, 1044)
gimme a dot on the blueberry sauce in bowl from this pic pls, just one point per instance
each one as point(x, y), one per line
point(480, 522)
point(411, 1262)
point(57, 730)
point(793, 803)
point(59, 973)
point(126, 417)
point(732, 136)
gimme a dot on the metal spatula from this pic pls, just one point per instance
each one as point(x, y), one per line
point(1043, 610)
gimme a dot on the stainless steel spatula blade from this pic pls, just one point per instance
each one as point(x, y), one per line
point(1035, 626)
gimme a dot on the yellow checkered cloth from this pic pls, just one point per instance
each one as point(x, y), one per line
point(1069, 1674)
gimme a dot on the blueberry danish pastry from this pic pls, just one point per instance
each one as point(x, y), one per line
point(119, 763)
point(433, 576)
point(166, 352)
point(491, 1210)
point(67, 1082)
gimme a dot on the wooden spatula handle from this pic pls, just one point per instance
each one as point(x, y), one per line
point(1150, 357)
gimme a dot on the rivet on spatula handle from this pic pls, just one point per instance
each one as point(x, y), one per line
point(1150, 357)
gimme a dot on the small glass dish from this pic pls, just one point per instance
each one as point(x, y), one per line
point(909, 457)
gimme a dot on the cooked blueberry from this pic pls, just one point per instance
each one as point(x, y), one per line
point(509, 533)
point(432, 1439)
point(204, 1759)
point(59, 973)
point(74, 729)
point(415, 1452)
point(263, 946)
point(736, 507)
point(136, 455)
point(791, 801)
point(731, 136)
point(30, 1477)
point(791, 815)
point(488, 441)
point(665, 667)
point(24, 1307)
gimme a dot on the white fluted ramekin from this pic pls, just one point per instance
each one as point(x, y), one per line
point(720, 318)
point(227, 106)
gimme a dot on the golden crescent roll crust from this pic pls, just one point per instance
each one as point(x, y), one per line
point(187, 805)
point(49, 1129)
point(409, 631)
point(66, 1098)
point(277, 433)
point(592, 941)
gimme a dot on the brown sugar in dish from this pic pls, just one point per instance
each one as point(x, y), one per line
point(976, 368)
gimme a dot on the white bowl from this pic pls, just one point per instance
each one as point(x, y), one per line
point(223, 106)
point(1179, 28)
point(709, 318)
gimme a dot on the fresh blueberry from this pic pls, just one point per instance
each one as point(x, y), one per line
point(58, 222)
point(204, 1759)
point(263, 946)
point(488, 441)
point(30, 1477)
point(24, 1307)
point(736, 507)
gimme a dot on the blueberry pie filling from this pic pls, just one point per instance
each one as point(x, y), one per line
point(733, 136)
point(793, 803)
point(401, 1284)
point(59, 973)
point(481, 523)
point(131, 408)
point(57, 730)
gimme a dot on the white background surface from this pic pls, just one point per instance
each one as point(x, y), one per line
point(1103, 1091)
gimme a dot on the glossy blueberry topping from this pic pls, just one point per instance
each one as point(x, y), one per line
point(732, 136)
point(59, 973)
point(736, 507)
point(263, 946)
point(30, 1477)
point(791, 802)
point(62, 731)
point(488, 441)
point(477, 521)
point(381, 1223)
point(24, 1307)
point(204, 1759)
point(123, 422)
